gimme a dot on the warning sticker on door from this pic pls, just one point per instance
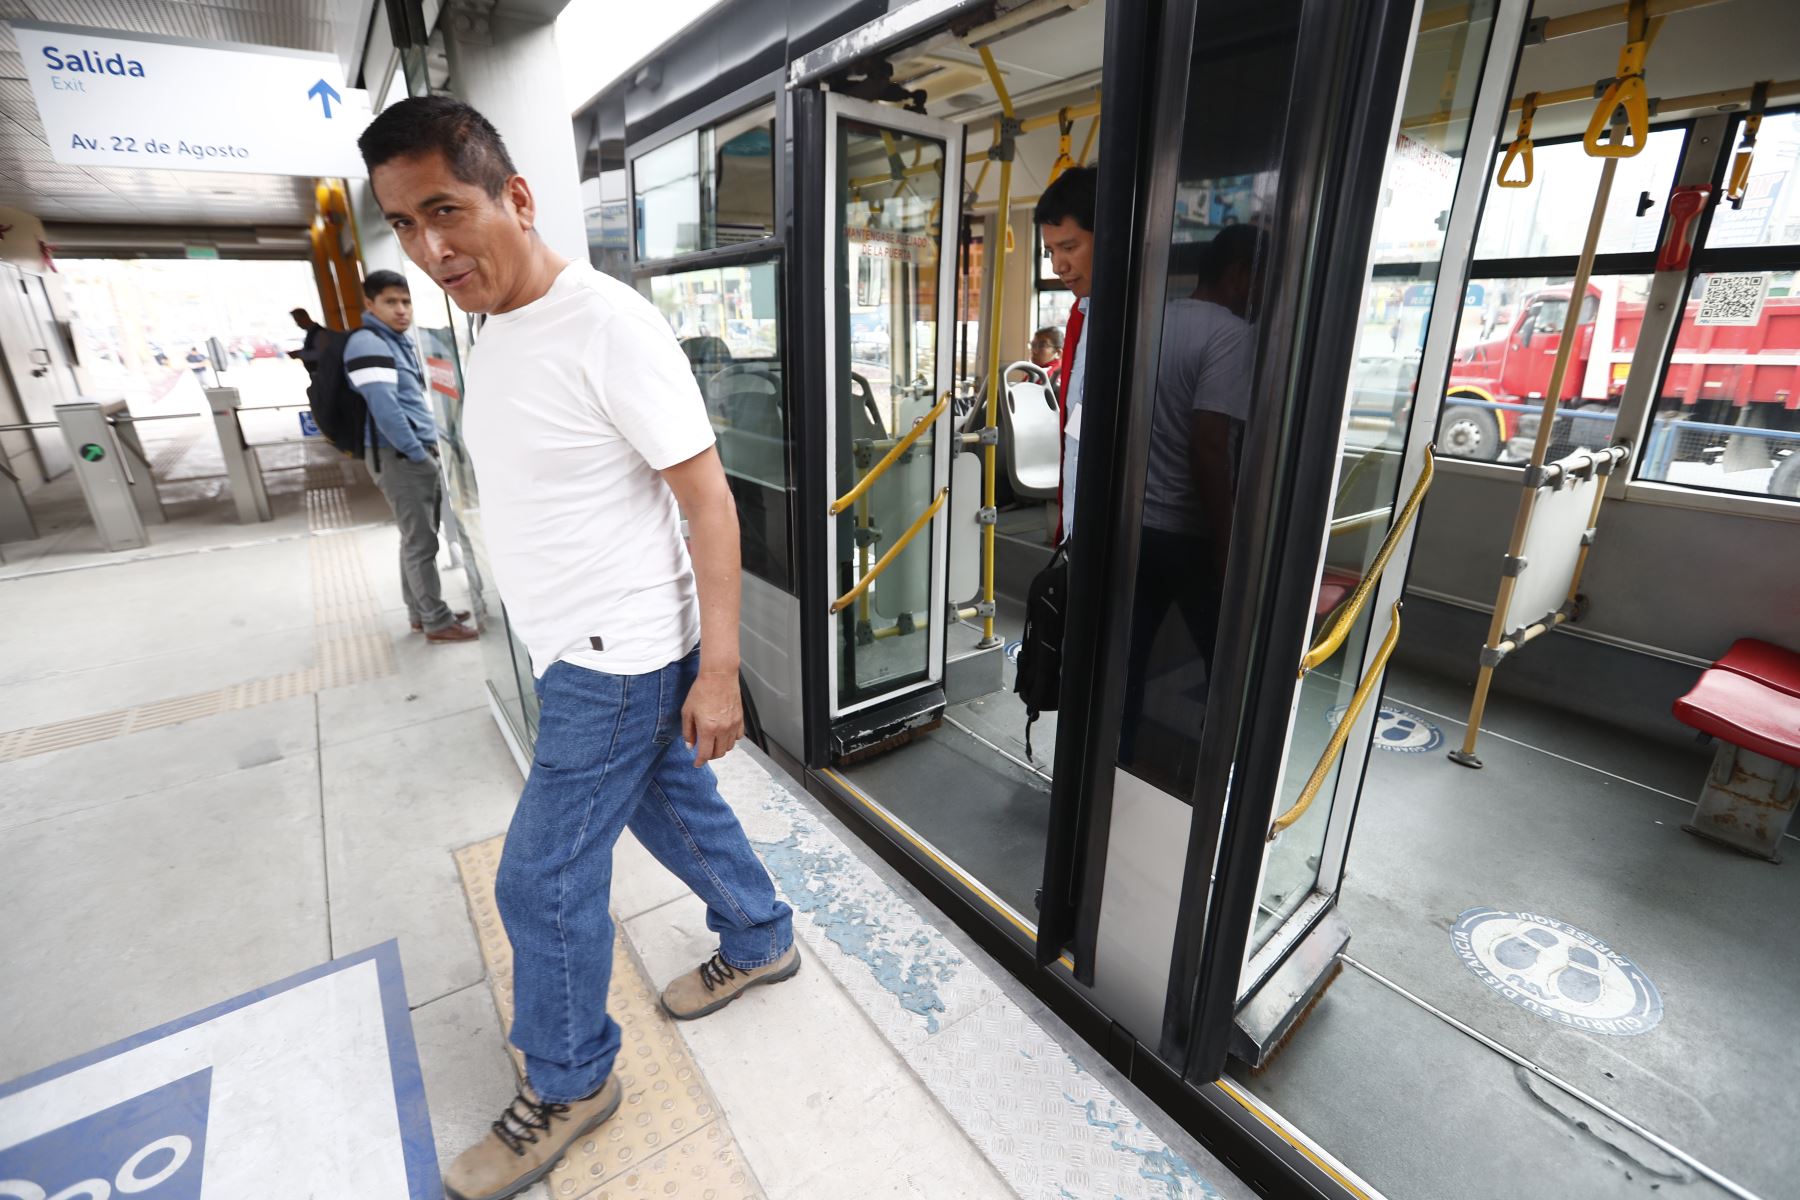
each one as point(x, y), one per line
point(1557, 971)
point(1734, 299)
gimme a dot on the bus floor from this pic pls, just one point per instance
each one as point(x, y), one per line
point(1429, 1083)
point(968, 789)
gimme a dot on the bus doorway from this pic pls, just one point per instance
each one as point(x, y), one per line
point(1534, 978)
point(940, 510)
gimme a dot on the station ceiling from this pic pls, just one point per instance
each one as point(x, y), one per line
point(56, 192)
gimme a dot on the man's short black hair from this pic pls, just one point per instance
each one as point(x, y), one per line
point(1232, 246)
point(299, 312)
point(1072, 195)
point(423, 124)
point(377, 282)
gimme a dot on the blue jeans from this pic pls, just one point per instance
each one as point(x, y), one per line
point(610, 756)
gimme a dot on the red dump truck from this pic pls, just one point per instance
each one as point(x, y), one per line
point(1744, 375)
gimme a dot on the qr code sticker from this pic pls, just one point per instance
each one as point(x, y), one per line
point(1733, 299)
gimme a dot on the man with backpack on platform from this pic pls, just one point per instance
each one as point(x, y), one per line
point(399, 436)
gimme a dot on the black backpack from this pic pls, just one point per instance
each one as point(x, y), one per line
point(338, 408)
point(1039, 681)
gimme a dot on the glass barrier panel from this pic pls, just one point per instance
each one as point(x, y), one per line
point(1727, 416)
point(887, 322)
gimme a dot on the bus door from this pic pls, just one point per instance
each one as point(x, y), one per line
point(1308, 626)
point(893, 183)
point(1250, 548)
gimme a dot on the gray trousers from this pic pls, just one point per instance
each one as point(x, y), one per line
point(414, 491)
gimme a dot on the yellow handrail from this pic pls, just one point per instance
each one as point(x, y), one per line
point(1341, 734)
point(1005, 148)
point(887, 460)
point(862, 585)
point(1334, 637)
point(1087, 147)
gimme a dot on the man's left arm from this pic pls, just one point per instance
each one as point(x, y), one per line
point(712, 720)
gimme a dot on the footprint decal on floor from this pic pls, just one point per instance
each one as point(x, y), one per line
point(1557, 971)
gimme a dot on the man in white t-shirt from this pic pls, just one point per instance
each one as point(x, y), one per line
point(587, 432)
point(1203, 384)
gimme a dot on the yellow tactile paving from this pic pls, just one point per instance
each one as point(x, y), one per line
point(667, 1139)
point(350, 645)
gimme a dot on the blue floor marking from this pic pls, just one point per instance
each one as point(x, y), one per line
point(106, 1153)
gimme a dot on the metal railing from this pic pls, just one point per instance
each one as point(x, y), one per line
point(842, 503)
point(886, 560)
point(1339, 629)
point(1340, 736)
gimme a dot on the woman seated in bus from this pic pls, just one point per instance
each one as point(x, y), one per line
point(1046, 350)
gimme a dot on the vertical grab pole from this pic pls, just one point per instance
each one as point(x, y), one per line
point(1491, 653)
point(1004, 140)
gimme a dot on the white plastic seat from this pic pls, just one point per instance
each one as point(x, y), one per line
point(1031, 434)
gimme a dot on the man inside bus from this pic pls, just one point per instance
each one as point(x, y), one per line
point(1202, 403)
point(1065, 221)
point(587, 432)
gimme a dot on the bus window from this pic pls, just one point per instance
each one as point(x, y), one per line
point(727, 321)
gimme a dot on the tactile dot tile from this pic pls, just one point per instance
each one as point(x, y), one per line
point(667, 1139)
point(162, 467)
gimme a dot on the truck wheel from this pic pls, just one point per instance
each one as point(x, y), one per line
point(1786, 479)
point(1472, 433)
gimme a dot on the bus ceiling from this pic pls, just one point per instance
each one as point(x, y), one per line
point(1705, 58)
point(926, 55)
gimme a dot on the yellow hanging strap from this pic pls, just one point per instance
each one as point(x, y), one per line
point(1065, 129)
point(1740, 166)
point(1520, 150)
point(1087, 145)
point(1627, 92)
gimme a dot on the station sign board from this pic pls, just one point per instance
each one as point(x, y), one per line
point(135, 101)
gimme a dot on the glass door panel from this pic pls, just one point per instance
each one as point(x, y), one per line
point(894, 184)
point(1379, 447)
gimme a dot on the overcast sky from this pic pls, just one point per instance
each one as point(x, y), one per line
point(599, 39)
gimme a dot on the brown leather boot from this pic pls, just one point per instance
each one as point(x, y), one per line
point(458, 617)
point(717, 983)
point(527, 1140)
point(453, 633)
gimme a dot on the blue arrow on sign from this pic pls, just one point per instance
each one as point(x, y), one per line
point(326, 94)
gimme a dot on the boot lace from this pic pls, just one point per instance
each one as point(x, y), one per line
point(524, 1119)
point(715, 971)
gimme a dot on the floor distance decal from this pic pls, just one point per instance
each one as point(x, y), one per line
point(1557, 971)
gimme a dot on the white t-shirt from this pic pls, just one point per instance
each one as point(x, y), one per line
point(1206, 364)
point(575, 402)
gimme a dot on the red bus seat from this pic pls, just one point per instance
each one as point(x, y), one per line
point(1764, 662)
point(1745, 712)
point(1334, 586)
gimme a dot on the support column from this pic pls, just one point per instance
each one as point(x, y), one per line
point(507, 67)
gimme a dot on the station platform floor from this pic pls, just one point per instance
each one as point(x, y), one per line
point(248, 826)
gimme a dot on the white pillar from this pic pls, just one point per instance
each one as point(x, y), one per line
point(508, 68)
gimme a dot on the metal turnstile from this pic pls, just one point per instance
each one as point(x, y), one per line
point(103, 468)
point(16, 524)
point(241, 465)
